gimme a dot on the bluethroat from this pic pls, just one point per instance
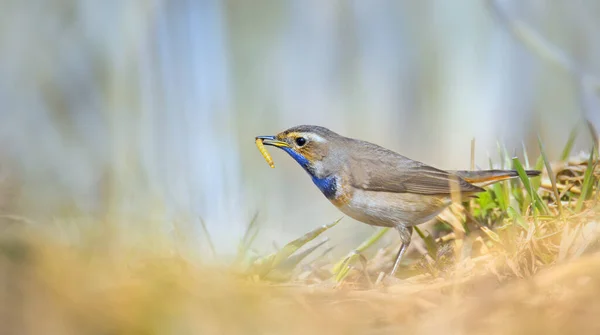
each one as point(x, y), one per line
point(375, 185)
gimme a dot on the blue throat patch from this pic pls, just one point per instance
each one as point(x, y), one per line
point(327, 185)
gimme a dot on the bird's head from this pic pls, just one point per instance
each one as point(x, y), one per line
point(313, 147)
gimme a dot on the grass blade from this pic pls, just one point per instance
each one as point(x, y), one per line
point(502, 196)
point(535, 197)
point(525, 156)
point(283, 271)
point(264, 265)
point(517, 217)
point(208, 237)
point(342, 265)
point(492, 235)
point(430, 244)
point(296, 244)
point(586, 188)
point(552, 176)
point(594, 134)
point(569, 146)
point(536, 182)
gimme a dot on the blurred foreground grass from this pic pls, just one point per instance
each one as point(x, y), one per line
point(522, 258)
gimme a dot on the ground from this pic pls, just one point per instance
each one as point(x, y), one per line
point(511, 261)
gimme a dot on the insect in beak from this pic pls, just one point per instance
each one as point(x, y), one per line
point(268, 140)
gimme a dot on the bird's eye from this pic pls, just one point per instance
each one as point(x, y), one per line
point(300, 141)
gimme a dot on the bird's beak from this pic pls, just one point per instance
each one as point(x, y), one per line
point(272, 140)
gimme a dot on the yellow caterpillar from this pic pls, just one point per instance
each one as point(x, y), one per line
point(264, 152)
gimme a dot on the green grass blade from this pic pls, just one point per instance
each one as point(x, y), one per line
point(569, 146)
point(504, 156)
point(496, 190)
point(371, 240)
point(537, 182)
point(344, 262)
point(265, 264)
point(501, 195)
point(520, 200)
point(284, 269)
point(539, 164)
point(298, 243)
point(514, 215)
point(525, 156)
point(430, 244)
point(344, 266)
point(500, 154)
point(535, 197)
point(552, 177)
point(588, 182)
point(594, 134)
point(507, 156)
point(486, 204)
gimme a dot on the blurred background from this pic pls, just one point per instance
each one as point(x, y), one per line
point(147, 110)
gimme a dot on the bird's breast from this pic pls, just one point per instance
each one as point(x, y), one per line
point(390, 209)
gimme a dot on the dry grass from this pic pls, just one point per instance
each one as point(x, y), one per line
point(484, 272)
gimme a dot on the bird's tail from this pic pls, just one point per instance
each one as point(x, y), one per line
point(486, 177)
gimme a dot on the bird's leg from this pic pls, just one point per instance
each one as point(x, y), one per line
point(405, 236)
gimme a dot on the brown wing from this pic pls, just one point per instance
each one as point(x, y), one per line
point(391, 172)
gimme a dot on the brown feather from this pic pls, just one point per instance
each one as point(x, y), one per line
point(386, 171)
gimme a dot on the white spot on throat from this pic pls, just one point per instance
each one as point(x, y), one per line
point(318, 169)
point(339, 188)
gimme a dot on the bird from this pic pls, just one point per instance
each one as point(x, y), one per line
point(378, 186)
